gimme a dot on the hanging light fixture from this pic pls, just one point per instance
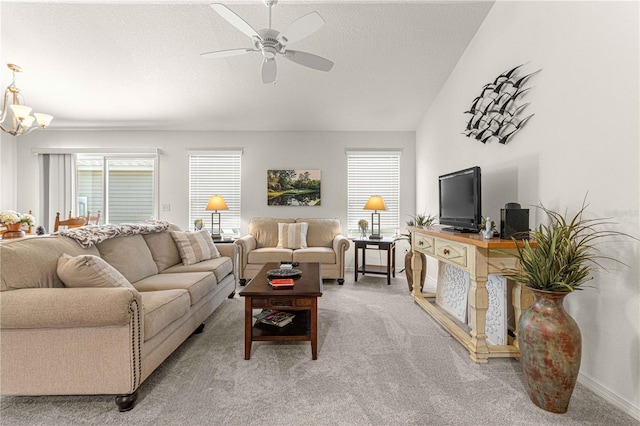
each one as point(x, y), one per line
point(22, 122)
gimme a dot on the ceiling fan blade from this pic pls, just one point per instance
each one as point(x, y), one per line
point(226, 53)
point(269, 71)
point(301, 28)
point(235, 20)
point(309, 60)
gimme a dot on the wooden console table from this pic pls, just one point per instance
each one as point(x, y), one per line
point(469, 252)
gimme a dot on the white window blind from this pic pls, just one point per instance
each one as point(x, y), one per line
point(373, 173)
point(121, 187)
point(215, 173)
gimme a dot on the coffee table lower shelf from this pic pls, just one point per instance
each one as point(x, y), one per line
point(299, 330)
point(303, 328)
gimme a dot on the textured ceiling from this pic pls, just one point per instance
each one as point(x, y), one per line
point(136, 65)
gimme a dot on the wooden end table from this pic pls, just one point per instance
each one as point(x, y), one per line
point(301, 299)
point(386, 244)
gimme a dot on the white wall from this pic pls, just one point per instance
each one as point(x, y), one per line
point(583, 138)
point(262, 151)
point(8, 155)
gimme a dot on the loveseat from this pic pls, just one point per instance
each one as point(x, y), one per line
point(66, 338)
point(292, 240)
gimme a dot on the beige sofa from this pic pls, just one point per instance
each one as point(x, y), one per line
point(324, 241)
point(56, 340)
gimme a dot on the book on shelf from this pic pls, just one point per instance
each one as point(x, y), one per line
point(281, 282)
point(273, 317)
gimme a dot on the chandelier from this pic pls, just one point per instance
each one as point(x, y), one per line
point(22, 122)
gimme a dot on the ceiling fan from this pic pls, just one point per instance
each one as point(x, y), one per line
point(272, 43)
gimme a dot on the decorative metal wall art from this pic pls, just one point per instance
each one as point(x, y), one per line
point(496, 114)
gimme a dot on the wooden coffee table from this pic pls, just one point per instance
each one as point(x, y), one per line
point(301, 299)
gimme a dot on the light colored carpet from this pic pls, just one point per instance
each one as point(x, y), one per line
point(381, 361)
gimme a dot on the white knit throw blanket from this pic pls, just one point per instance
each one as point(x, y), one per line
point(90, 235)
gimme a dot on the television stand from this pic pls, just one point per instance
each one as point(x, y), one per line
point(480, 258)
point(460, 230)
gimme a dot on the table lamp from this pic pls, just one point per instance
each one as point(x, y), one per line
point(375, 203)
point(216, 203)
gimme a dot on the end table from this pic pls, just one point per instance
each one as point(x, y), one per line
point(387, 244)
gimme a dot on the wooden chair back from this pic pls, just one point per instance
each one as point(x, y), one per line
point(93, 220)
point(71, 222)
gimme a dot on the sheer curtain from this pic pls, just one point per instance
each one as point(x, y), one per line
point(57, 187)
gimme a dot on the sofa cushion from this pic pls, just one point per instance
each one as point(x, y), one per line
point(32, 262)
point(265, 230)
point(89, 271)
point(264, 255)
point(163, 249)
point(195, 247)
point(198, 284)
point(321, 232)
point(161, 308)
point(130, 255)
point(315, 254)
point(220, 266)
point(292, 235)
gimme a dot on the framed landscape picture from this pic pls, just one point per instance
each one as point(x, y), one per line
point(293, 187)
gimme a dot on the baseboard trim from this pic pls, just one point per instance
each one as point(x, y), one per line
point(609, 396)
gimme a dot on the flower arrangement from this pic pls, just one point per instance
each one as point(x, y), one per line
point(11, 217)
point(363, 225)
point(28, 219)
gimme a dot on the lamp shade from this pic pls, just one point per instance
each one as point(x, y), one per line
point(20, 111)
point(216, 202)
point(375, 203)
point(43, 119)
point(27, 122)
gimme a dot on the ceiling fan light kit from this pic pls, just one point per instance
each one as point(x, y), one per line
point(271, 43)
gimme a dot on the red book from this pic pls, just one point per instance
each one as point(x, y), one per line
point(282, 282)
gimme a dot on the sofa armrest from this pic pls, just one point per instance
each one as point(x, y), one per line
point(245, 245)
point(71, 341)
point(31, 308)
point(340, 246)
point(228, 250)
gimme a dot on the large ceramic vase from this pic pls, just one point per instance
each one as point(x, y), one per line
point(550, 351)
point(408, 269)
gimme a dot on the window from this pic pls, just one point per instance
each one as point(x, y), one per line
point(122, 187)
point(373, 173)
point(215, 173)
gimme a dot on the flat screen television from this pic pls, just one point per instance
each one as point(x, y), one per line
point(460, 200)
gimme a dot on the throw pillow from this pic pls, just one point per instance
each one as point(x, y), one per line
point(88, 270)
point(292, 235)
point(195, 247)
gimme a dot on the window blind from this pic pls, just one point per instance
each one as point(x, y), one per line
point(121, 186)
point(215, 173)
point(373, 173)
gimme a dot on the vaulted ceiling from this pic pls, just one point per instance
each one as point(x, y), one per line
point(136, 64)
